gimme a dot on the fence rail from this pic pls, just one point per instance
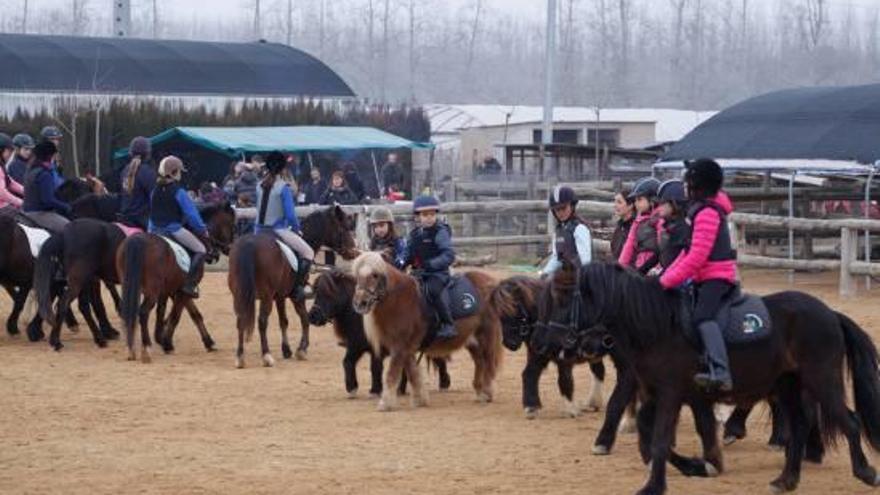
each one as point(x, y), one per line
point(849, 228)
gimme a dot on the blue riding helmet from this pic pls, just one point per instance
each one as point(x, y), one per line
point(425, 203)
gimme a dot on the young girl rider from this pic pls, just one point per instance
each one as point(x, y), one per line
point(170, 209)
point(572, 240)
point(429, 250)
point(640, 251)
point(710, 261)
point(383, 238)
point(673, 233)
point(276, 213)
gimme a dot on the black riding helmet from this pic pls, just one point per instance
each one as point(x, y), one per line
point(6, 141)
point(671, 191)
point(645, 187)
point(561, 195)
point(275, 162)
point(704, 178)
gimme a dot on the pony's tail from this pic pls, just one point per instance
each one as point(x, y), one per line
point(245, 296)
point(861, 355)
point(133, 261)
point(44, 274)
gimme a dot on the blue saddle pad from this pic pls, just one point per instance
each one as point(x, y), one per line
point(462, 297)
point(745, 319)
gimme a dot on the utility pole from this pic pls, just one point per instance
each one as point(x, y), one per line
point(289, 22)
point(549, 53)
point(122, 18)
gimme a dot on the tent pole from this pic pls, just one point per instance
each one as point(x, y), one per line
point(791, 217)
point(311, 163)
point(867, 217)
point(376, 171)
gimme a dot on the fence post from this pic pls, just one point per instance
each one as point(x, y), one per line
point(848, 251)
point(362, 229)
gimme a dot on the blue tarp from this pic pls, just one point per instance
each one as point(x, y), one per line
point(234, 141)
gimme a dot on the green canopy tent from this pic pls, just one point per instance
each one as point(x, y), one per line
point(208, 151)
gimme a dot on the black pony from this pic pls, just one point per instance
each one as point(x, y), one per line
point(802, 360)
point(333, 294)
point(516, 300)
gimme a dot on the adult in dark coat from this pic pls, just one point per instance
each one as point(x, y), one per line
point(392, 174)
point(338, 192)
point(313, 190)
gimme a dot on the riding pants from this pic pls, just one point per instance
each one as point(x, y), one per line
point(297, 243)
point(709, 295)
point(189, 241)
point(437, 295)
point(49, 220)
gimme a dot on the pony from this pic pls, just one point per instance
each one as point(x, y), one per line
point(516, 301)
point(802, 359)
point(258, 270)
point(146, 265)
point(334, 291)
point(396, 318)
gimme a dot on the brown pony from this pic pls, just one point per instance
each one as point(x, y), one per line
point(389, 298)
point(146, 264)
point(259, 271)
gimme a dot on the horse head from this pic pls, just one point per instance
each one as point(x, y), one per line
point(333, 293)
point(515, 302)
point(371, 275)
point(561, 314)
point(332, 228)
point(220, 219)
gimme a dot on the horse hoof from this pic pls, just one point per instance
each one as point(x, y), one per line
point(590, 408)
point(132, 356)
point(239, 363)
point(420, 401)
point(876, 481)
point(775, 447)
point(146, 358)
point(627, 426)
point(531, 412)
point(780, 486)
point(353, 394)
point(300, 355)
point(711, 470)
point(101, 343)
point(268, 361)
point(383, 406)
point(74, 329)
point(570, 410)
point(110, 333)
point(286, 352)
point(483, 397)
point(730, 440)
point(57, 347)
point(375, 395)
point(601, 450)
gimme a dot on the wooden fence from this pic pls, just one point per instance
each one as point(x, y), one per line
point(849, 229)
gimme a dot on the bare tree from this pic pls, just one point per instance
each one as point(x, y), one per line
point(383, 75)
point(472, 42)
point(24, 17)
point(816, 18)
point(289, 22)
point(257, 26)
point(623, 11)
point(412, 49)
point(155, 19)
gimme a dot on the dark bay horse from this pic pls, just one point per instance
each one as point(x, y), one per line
point(334, 291)
point(802, 360)
point(258, 270)
point(396, 319)
point(516, 301)
point(146, 265)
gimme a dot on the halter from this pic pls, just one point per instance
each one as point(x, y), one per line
point(522, 323)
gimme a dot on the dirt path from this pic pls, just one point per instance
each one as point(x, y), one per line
point(85, 421)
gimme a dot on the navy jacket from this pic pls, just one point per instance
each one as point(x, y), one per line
point(17, 169)
point(135, 205)
point(429, 249)
point(39, 191)
point(314, 191)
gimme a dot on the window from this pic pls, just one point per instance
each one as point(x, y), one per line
point(607, 137)
point(567, 136)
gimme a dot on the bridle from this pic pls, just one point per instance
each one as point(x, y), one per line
point(523, 323)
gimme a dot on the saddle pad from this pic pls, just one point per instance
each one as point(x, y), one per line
point(744, 320)
point(36, 238)
point(126, 230)
point(462, 297)
point(180, 254)
point(288, 254)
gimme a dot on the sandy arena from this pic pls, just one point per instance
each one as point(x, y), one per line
point(86, 421)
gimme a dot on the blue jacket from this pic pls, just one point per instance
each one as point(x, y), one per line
point(314, 191)
point(39, 191)
point(395, 247)
point(134, 206)
point(290, 221)
point(17, 169)
point(429, 249)
point(191, 216)
point(57, 178)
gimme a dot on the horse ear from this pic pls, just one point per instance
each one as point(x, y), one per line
point(339, 213)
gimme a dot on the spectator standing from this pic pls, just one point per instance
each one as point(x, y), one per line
point(392, 174)
point(314, 190)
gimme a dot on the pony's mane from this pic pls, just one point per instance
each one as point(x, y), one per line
point(329, 284)
point(514, 293)
point(636, 305)
point(369, 262)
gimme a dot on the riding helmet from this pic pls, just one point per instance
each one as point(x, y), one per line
point(23, 141)
point(381, 214)
point(5, 141)
point(671, 191)
point(645, 187)
point(426, 203)
point(704, 178)
point(51, 132)
point(171, 166)
point(140, 146)
point(561, 195)
point(45, 151)
point(275, 162)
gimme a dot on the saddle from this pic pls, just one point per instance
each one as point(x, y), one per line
point(289, 255)
point(181, 255)
point(36, 238)
point(463, 302)
point(742, 317)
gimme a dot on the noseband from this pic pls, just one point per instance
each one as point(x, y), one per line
point(522, 323)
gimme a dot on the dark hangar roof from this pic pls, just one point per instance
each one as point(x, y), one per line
point(35, 63)
point(833, 123)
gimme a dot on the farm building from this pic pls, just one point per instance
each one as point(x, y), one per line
point(465, 135)
point(45, 71)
